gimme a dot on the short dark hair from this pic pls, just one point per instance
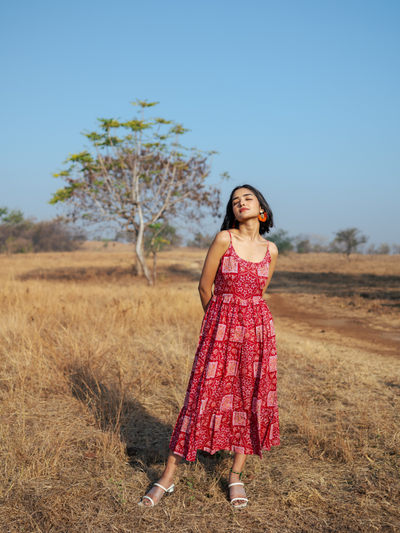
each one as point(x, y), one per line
point(230, 221)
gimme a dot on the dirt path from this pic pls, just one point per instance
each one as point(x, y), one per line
point(317, 318)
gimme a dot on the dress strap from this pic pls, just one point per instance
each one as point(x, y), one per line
point(230, 235)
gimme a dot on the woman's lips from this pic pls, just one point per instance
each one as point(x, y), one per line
point(243, 209)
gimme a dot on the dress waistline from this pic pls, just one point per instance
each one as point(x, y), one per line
point(229, 297)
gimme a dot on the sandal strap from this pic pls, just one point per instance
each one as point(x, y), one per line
point(148, 497)
point(163, 488)
point(232, 484)
point(234, 499)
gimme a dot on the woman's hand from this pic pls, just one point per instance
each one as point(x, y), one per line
point(211, 264)
point(273, 250)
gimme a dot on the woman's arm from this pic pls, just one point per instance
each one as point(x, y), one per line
point(211, 264)
point(273, 250)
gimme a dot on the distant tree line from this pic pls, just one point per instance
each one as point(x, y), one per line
point(346, 241)
point(23, 235)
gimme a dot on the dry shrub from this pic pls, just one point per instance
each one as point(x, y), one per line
point(29, 236)
point(92, 377)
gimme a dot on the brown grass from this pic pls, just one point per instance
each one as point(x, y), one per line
point(94, 366)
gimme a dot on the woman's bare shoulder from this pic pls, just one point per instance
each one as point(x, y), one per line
point(273, 249)
point(222, 238)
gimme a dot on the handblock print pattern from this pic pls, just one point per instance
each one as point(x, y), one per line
point(231, 400)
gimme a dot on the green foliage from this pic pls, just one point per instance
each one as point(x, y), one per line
point(137, 125)
point(94, 137)
point(201, 240)
point(83, 157)
point(160, 235)
point(107, 123)
point(12, 217)
point(144, 103)
point(282, 240)
point(178, 129)
point(162, 121)
point(65, 194)
point(62, 173)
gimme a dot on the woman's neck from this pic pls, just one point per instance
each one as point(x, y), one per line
point(249, 230)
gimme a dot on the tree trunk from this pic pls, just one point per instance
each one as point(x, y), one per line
point(154, 267)
point(138, 266)
point(141, 257)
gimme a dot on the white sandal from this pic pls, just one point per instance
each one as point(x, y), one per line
point(170, 490)
point(234, 499)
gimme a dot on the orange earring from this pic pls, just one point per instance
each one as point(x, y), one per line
point(262, 217)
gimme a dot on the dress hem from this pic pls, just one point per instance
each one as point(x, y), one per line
point(260, 455)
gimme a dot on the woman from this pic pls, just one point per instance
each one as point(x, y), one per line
point(231, 401)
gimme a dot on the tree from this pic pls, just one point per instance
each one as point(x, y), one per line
point(21, 235)
point(201, 240)
point(303, 246)
point(156, 237)
point(136, 174)
point(11, 218)
point(15, 232)
point(383, 249)
point(160, 236)
point(347, 241)
point(396, 249)
point(282, 240)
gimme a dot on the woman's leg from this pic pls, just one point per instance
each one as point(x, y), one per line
point(165, 480)
point(237, 491)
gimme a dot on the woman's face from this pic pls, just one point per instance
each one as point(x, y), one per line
point(245, 205)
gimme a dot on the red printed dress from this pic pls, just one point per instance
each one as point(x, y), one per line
point(231, 401)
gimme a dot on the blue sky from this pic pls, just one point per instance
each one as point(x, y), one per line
point(300, 98)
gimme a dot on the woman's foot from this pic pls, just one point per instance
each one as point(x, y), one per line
point(156, 492)
point(237, 491)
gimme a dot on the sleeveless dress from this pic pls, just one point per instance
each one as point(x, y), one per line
point(231, 399)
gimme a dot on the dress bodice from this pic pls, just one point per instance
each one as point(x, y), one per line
point(241, 278)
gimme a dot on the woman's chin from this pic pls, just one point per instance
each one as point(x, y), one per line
point(246, 218)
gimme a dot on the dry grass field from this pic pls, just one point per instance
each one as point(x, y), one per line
point(93, 371)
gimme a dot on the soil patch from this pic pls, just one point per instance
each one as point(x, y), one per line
point(368, 286)
point(326, 322)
